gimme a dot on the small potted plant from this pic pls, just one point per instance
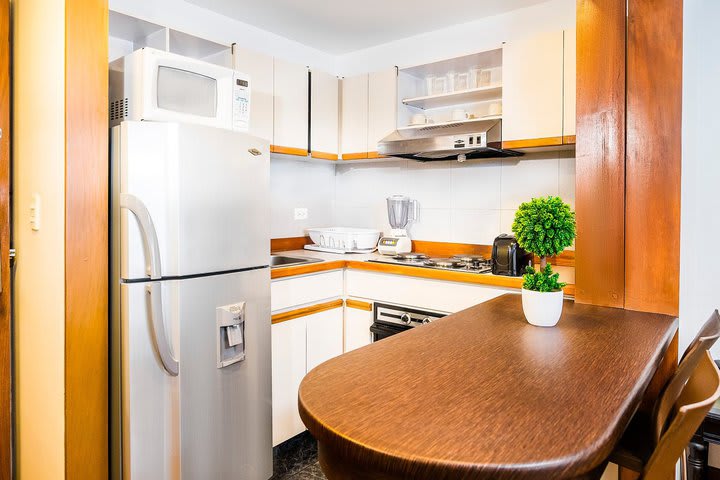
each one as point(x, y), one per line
point(544, 227)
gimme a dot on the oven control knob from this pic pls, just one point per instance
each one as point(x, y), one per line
point(426, 320)
point(405, 318)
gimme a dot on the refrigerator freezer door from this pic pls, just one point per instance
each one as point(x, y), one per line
point(206, 193)
point(207, 422)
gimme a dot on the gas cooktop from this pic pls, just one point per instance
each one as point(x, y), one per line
point(456, 263)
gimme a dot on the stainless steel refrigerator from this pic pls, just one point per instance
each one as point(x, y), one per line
point(191, 363)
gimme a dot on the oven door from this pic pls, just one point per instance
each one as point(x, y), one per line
point(383, 330)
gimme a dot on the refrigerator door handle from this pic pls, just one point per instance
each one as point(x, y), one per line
point(151, 248)
point(147, 232)
point(157, 320)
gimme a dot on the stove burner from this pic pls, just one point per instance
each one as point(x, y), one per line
point(410, 257)
point(444, 262)
point(469, 258)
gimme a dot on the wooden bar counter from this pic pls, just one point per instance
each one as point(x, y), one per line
point(482, 394)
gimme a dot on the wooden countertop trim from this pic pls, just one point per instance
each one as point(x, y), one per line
point(307, 268)
point(504, 380)
point(375, 155)
point(533, 142)
point(358, 305)
point(354, 156)
point(568, 139)
point(305, 311)
point(324, 155)
point(301, 152)
point(434, 249)
point(473, 278)
point(289, 243)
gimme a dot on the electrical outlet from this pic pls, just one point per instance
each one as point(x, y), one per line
point(301, 214)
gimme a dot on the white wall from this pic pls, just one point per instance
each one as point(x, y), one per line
point(197, 21)
point(469, 202)
point(39, 289)
point(472, 37)
point(700, 210)
point(294, 184)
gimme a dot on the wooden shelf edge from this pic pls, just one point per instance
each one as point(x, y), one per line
point(354, 156)
point(533, 142)
point(568, 139)
point(358, 305)
point(300, 152)
point(305, 311)
point(324, 155)
point(284, 272)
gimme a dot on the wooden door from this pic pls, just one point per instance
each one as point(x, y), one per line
point(6, 440)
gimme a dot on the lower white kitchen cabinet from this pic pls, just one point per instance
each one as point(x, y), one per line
point(289, 358)
point(299, 345)
point(286, 293)
point(324, 336)
point(437, 295)
point(357, 327)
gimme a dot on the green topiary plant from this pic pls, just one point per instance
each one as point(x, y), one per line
point(545, 227)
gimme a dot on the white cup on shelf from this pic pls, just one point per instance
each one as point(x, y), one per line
point(495, 108)
point(418, 119)
point(458, 115)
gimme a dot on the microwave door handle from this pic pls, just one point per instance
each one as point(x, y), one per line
point(151, 249)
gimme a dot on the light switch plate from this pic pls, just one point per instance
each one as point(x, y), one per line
point(301, 214)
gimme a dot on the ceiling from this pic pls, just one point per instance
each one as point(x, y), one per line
point(342, 26)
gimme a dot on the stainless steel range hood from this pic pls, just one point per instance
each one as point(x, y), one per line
point(447, 141)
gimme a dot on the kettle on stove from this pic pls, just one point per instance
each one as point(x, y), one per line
point(508, 258)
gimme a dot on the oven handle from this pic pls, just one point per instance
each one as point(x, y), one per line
point(387, 330)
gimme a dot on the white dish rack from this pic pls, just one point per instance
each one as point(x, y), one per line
point(343, 239)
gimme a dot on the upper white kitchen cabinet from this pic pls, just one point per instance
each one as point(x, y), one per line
point(382, 107)
point(354, 117)
point(324, 115)
point(533, 91)
point(570, 73)
point(260, 69)
point(290, 132)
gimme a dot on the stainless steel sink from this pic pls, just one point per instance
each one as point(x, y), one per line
point(285, 261)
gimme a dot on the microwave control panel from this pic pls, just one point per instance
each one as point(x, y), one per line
point(241, 102)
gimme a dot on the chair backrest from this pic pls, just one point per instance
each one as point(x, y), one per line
point(705, 338)
point(696, 399)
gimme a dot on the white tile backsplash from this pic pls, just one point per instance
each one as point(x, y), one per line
point(470, 202)
point(476, 184)
point(296, 184)
point(527, 177)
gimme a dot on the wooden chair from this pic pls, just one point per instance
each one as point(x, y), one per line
point(646, 433)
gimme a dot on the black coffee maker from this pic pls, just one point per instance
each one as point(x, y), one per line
point(508, 258)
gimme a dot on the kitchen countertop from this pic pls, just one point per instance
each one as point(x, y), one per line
point(482, 394)
point(332, 261)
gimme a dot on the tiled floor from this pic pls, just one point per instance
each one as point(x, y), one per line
point(296, 459)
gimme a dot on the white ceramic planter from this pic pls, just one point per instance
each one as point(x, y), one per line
point(542, 309)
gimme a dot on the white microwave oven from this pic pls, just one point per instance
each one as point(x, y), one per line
point(154, 85)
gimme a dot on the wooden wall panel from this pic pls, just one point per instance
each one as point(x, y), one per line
point(653, 164)
point(86, 239)
point(6, 437)
point(600, 152)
